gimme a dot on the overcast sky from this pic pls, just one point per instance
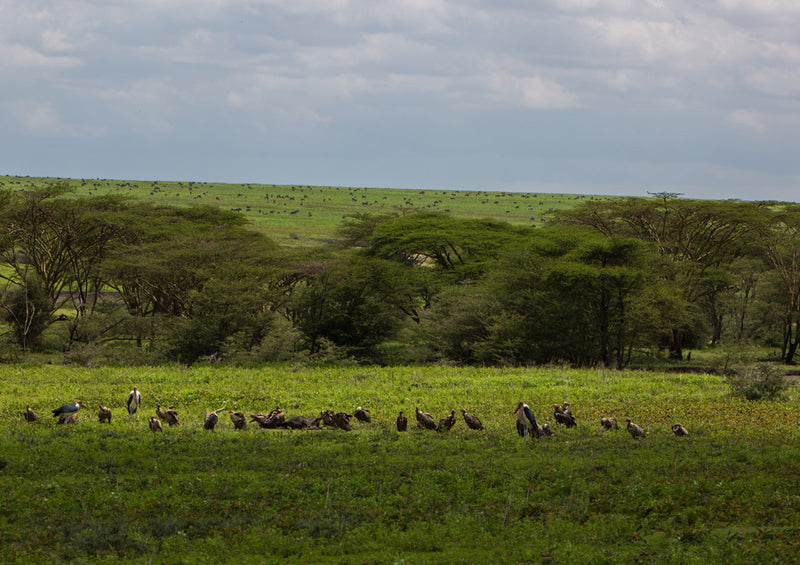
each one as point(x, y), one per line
point(619, 97)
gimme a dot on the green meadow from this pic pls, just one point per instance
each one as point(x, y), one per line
point(295, 215)
point(99, 493)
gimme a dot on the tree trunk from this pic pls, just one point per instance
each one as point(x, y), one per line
point(676, 344)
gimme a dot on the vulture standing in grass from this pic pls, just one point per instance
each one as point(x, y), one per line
point(679, 430)
point(473, 423)
point(447, 423)
point(609, 424)
point(68, 418)
point(30, 415)
point(425, 420)
point(635, 430)
point(66, 410)
point(239, 420)
point(362, 415)
point(526, 421)
point(155, 424)
point(211, 419)
point(563, 416)
point(171, 416)
point(161, 413)
point(104, 414)
point(402, 422)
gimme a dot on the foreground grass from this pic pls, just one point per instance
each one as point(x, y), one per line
point(93, 493)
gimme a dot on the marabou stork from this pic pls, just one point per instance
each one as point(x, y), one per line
point(402, 422)
point(67, 410)
point(679, 430)
point(155, 424)
point(29, 414)
point(362, 415)
point(609, 424)
point(134, 399)
point(526, 421)
point(211, 419)
point(473, 423)
point(425, 420)
point(239, 420)
point(635, 430)
point(104, 414)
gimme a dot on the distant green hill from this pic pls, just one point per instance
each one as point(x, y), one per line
point(308, 215)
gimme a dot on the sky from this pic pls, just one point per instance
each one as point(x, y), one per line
point(619, 97)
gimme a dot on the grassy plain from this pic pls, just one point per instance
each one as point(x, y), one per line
point(305, 216)
point(95, 493)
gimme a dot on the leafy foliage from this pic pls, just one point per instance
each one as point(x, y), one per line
point(759, 382)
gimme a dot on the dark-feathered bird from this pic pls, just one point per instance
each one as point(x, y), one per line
point(327, 418)
point(635, 430)
point(526, 421)
point(609, 424)
point(447, 423)
point(211, 419)
point(473, 423)
point(155, 424)
point(171, 416)
point(161, 413)
point(239, 420)
point(562, 416)
point(274, 419)
point(30, 415)
point(301, 423)
point(402, 422)
point(134, 399)
point(362, 415)
point(104, 414)
point(342, 421)
point(679, 430)
point(68, 409)
point(425, 420)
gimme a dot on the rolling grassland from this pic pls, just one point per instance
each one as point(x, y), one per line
point(305, 216)
point(118, 493)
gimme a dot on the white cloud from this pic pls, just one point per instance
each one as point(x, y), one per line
point(531, 91)
point(22, 57)
point(747, 119)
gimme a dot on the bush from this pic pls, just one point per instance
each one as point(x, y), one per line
point(758, 382)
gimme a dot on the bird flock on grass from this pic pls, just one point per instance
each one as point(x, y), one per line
point(526, 423)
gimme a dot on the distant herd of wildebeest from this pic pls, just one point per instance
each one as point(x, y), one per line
point(527, 424)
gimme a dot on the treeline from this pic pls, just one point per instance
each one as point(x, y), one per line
point(103, 279)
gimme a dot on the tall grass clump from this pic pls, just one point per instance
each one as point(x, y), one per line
point(758, 382)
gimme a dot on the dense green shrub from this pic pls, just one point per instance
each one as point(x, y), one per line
point(758, 382)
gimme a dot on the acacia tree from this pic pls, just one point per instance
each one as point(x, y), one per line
point(354, 302)
point(54, 244)
point(696, 239)
point(779, 240)
point(199, 272)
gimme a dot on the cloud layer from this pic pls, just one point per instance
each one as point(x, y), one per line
point(618, 96)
